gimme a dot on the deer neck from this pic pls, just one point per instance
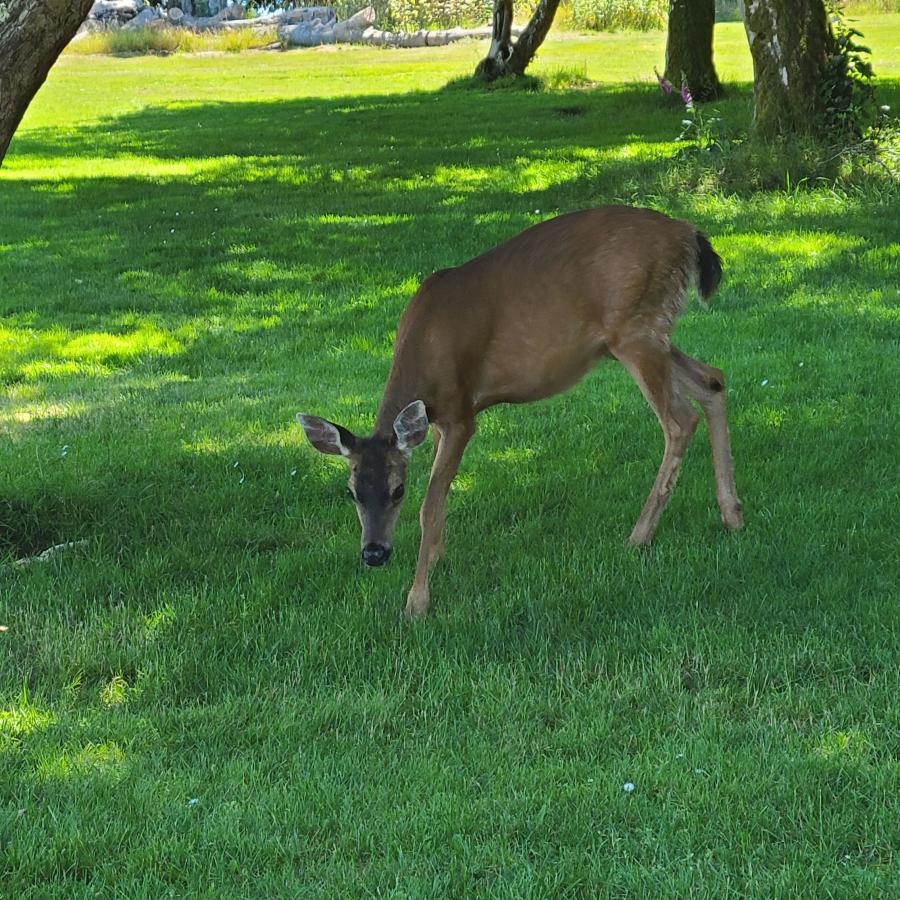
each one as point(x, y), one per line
point(405, 383)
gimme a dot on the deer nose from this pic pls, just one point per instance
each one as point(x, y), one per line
point(375, 554)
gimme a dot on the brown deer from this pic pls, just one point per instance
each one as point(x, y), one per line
point(522, 322)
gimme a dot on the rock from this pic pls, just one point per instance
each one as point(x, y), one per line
point(362, 19)
point(228, 14)
point(143, 18)
point(351, 29)
point(417, 39)
point(116, 12)
point(324, 14)
point(306, 35)
point(175, 15)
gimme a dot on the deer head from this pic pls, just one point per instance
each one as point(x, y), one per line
point(377, 472)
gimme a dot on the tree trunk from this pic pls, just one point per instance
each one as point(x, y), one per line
point(506, 57)
point(790, 42)
point(32, 35)
point(689, 48)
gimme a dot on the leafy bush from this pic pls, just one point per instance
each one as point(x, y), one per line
point(847, 89)
point(618, 15)
point(411, 15)
point(728, 10)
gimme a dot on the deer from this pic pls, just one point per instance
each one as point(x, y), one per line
point(520, 323)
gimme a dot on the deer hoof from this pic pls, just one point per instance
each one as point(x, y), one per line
point(416, 605)
point(639, 538)
point(734, 517)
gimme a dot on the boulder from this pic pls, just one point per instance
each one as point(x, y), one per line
point(115, 11)
point(103, 9)
point(306, 34)
point(175, 15)
point(228, 14)
point(324, 14)
point(143, 18)
point(351, 29)
point(361, 20)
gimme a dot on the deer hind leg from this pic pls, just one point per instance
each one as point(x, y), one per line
point(650, 364)
point(451, 443)
point(706, 385)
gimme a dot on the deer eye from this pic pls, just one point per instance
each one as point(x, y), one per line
point(398, 492)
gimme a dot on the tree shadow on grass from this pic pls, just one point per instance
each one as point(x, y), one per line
point(277, 243)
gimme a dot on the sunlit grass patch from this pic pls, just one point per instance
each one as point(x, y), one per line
point(106, 759)
point(171, 40)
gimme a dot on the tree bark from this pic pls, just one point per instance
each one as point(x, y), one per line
point(32, 35)
point(689, 48)
point(790, 42)
point(506, 57)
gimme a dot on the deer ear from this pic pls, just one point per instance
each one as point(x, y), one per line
point(327, 437)
point(411, 425)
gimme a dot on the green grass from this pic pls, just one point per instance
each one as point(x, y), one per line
point(211, 698)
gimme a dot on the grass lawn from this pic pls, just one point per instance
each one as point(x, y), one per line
point(210, 697)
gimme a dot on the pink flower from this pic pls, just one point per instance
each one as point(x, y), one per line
point(686, 97)
point(665, 86)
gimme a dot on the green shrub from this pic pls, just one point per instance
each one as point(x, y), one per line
point(728, 10)
point(171, 40)
point(618, 15)
point(411, 15)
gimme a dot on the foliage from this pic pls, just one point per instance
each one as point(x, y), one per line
point(412, 15)
point(705, 133)
point(171, 40)
point(729, 10)
point(211, 698)
point(617, 15)
point(848, 93)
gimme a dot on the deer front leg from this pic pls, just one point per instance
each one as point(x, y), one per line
point(451, 443)
point(437, 553)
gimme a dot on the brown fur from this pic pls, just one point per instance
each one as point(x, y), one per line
point(530, 318)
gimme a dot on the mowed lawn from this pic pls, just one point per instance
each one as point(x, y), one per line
point(210, 696)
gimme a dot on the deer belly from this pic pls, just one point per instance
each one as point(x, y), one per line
point(536, 375)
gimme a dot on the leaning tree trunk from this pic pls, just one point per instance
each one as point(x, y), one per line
point(506, 57)
point(32, 35)
point(790, 42)
point(689, 48)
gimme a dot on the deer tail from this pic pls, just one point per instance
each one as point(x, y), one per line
point(709, 267)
